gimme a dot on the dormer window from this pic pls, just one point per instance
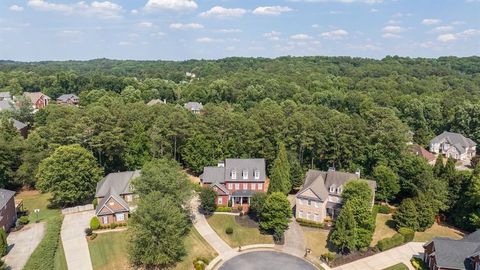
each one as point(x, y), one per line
point(339, 190)
point(332, 189)
point(245, 174)
point(234, 174)
point(257, 174)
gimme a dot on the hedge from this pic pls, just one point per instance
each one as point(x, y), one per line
point(418, 264)
point(223, 209)
point(408, 234)
point(43, 257)
point(309, 223)
point(388, 243)
point(383, 209)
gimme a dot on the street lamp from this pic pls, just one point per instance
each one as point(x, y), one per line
point(36, 212)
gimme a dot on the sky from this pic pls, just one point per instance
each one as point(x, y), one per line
point(35, 30)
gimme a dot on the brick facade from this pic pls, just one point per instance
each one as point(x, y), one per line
point(8, 215)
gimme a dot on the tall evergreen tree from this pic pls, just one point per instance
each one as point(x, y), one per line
point(448, 171)
point(387, 183)
point(343, 236)
point(406, 215)
point(280, 176)
point(438, 167)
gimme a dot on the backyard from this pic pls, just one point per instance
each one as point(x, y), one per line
point(109, 251)
point(242, 235)
point(384, 228)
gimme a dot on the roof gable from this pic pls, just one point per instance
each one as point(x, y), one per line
point(118, 182)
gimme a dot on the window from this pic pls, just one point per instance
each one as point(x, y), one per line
point(129, 198)
point(257, 174)
point(339, 190)
point(245, 174)
point(317, 204)
point(105, 220)
point(300, 214)
point(332, 189)
point(245, 186)
point(120, 217)
point(260, 186)
point(253, 186)
point(316, 217)
point(237, 186)
point(309, 202)
point(234, 174)
point(219, 200)
point(230, 186)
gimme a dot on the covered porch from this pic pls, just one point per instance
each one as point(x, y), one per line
point(241, 198)
point(333, 210)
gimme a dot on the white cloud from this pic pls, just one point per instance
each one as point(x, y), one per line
point(271, 10)
point(335, 34)
point(444, 28)
point(431, 21)
point(460, 35)
point(301, 37)
point(446, 37)
point(171, 5)
point(274, 35)
point(207, 40)
point(373, 10)
point(228, 31)
point(393, 29)
point(104, 10)
point(16, 8)
point(183, 26)
point(221, 12)
point(145, 24)
point(390, 36)
point(134, 11)
point(341, 1)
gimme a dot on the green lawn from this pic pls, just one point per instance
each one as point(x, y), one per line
point(316, 240)
point(109, 251)
point(383, 228)
point(400, 266)
point(241, 235)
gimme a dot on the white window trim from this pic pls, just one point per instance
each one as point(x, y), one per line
point(230, 186)
point(257, 174)
point(121, 215)
point(234, 174)
point(237, 186)
point(245, 186)
point(253, 186)
point(104, 219)
point(245, 174)
point(260, 186)
point(219, 200)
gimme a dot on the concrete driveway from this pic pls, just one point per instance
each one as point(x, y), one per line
point(74, 241)
point(260, 260)
point(22, 244)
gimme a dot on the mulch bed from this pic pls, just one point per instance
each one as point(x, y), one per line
point(246, 221)
point(352, 257)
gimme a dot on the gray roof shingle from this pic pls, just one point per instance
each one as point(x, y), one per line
point(213, 174)
point(111, 194)
point(19, 125)
point(6, 105)
point(66, 97)
point(116, 182)
point(193, 106)
point(5, 196)
point(459, 141)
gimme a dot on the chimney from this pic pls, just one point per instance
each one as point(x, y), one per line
point(221, 164)
point(357, 172)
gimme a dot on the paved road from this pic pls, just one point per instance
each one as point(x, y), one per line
point(385, 259)
point(74, 241)
point(22, 244)
point(207, 232)
point(260, 260)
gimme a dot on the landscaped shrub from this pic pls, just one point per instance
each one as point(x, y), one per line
point(113, 225)
point(383, 209)
point(44, 255)
point(3, 242)
point(388, 243)
point(229, 230)
point(408, 234)
point(23, 220)
point(200, 263)
point(94, 223)
point(328, 257)
point(93, 236)
point(309, 223)
point(95, 203)
point(418, 264)
point(223, 209)
point(240, 208)
point(88, 231)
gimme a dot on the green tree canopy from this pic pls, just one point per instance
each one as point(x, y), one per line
point(275, 213)
point(280, 176)
point(387, 183)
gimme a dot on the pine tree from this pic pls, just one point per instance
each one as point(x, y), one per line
point(438, 167)
point(280, 177)
point(344, 235)
point(448, 171)
point(407, 215)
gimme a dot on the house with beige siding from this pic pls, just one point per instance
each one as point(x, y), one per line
point(321, 194)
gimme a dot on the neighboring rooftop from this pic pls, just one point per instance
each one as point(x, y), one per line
point(193, 106)
point(35, 96)
point(6, 105)
point(111, 193)
point(5, 196)
point(420, 151)
point(118, 183)
point(156, 101)
point(455, 254)
point(66, 97)
point(459, 141)
point(19, 125)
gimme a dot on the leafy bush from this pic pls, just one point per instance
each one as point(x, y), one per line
point(309, 223)
point(388, 243)
point(44, 255)
point(94, 223)
point(223, 209)
point(418, 264)
point(240, 208)
point(113, 225)
point(408, 234)
point(383, 209)
point(95, 203)
point(328, 257)
point(200, 263)
point(3, 243)
point(88, 231)
point(23, 220)
point(229, 230)
point(207, 199)
point(93, 236)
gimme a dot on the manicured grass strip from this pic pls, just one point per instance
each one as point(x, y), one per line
point(34, 200)
point(44, 255)
point(241, 235)
point(60, 260)
point(399, 266)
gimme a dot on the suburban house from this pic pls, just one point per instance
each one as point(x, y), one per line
point(453, 145)
point(236, 180)
point(6, 105)
point(5, 96)
point(194, 107)
point(156, 101)
point(115, 197)
point(8, 211)
point(22, 128)
point(69, 99)
point(445, 253)
point(320, 196)
point(38, 99)
point(422, 152)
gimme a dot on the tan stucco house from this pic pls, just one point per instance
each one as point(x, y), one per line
point(320, 196)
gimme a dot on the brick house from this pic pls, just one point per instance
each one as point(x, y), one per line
point(68, 99)
point(320, 196)
point(236, 180)
point(8, 211)
point(38, 99)
point(449, 254)
point(115, 197)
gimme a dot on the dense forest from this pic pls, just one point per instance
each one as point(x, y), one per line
point(342, 112)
